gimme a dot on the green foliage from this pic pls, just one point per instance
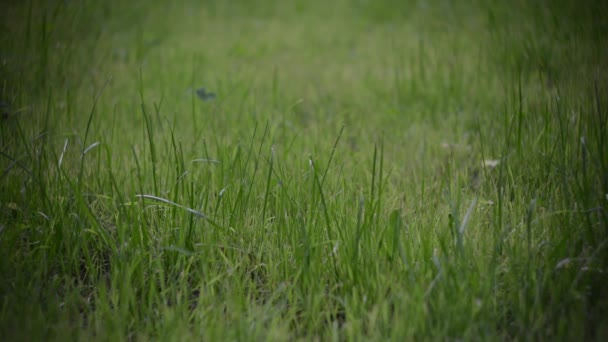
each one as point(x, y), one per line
point(365, 169)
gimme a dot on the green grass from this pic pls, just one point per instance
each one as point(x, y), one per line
point(368, 170)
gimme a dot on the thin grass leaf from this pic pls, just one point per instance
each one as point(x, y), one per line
point(86, 150)
point(179, 250)
point(467, 216)
point(203, 160)
point(65, 147)
point(166, 201)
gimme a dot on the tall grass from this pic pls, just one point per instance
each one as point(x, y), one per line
point(376, 170)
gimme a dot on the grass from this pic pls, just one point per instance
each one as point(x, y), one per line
point(367, 170)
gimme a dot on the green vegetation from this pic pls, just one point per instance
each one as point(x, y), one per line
point(366, 170)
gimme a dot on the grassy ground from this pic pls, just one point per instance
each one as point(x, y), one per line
point(367, 170)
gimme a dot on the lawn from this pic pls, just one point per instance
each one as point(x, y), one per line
point(303, 170)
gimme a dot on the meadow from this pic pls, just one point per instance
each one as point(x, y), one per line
point(303, 170)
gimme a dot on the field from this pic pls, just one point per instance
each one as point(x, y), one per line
point(303, 170)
